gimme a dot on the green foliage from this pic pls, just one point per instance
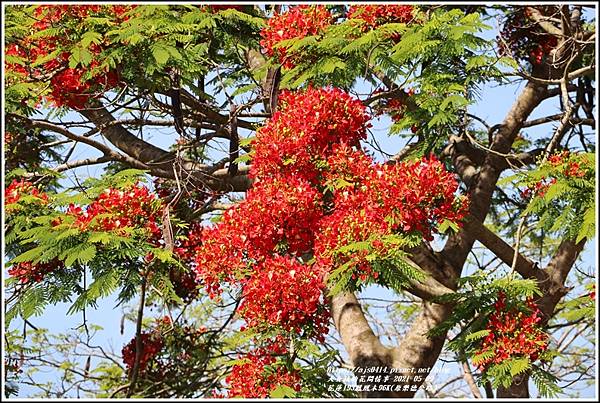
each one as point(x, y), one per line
point(566, 207)
point(282, 391)
point(393, 266)
point(474, 302)
point(105, 261)
point(579, 308)
point(545, 382)
point(440, 56)
point(316, 375)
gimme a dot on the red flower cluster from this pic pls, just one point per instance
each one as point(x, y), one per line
point(285, 293)
point(374, 15)
point(152, 344)
point(26, 272)
point(304, 130)
point(296, 23)
point(16, 189)
point(513, 334)
point(572, 168)
point(49, 15)
point(30, 51)
point(8, 138)
point(252, 380)
point(565, 165)
point(314, 193)
point(523, 39)
point(382, 199)
point(538, 189)
point(70, 87)
point(542, 50)
point(113, 210)
point(186, 246)
point(14, 50)
point(276, 215)
point(184, 284)
point(170, 351)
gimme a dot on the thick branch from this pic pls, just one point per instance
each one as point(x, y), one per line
point(363, 346)
point(158, 161)
point(557, 270)
point(543, 22)
point(109, 154)
point(504, 251)
point(459, 245)
point(417, 349)
point(123, 139)
point(81, 163)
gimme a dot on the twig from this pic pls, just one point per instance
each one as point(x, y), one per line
point(119, 389)
point(574, 74)
point(513, 266)
point(138, 339)
point(468, 375)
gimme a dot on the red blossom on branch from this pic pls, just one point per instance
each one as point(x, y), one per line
point(16, 189)
point(72, 87)
point(304, 130)
point(285, 293)
point(27, 272)
point(523, 39)
point(152, 344)
point(513, 333)
point(251, 380)
point(299, 206)
point(374, 15)
point(296, 23)
point(114, 209)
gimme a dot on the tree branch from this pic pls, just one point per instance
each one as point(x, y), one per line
point(504, 251)
point(84, 162)
point(139, 346)
point(542, 21)
point(159, 162)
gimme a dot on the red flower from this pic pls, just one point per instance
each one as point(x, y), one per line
point(68, 87)
point(525, 40)
point(314, 192)
point(513, 334)
point(250, 379)
point(304, 130)
point(378, 14)
point(285, 293)
point(16, 189)
point(114, 209)
point(26, 272)
point(296, 23)
point(152, 344)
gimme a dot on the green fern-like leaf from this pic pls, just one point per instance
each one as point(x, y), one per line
point(478, 335)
